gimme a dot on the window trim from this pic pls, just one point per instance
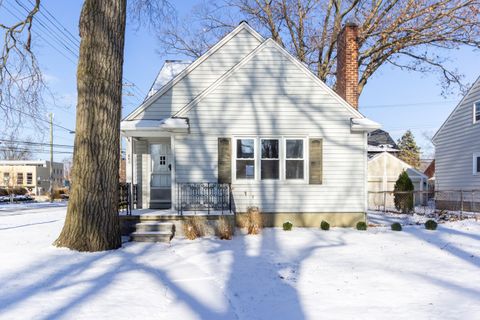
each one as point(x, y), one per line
point(279, 159)
point(282, 160)
point(234, 159)
point(304, 159)
point(475, 169)
point(476, 105)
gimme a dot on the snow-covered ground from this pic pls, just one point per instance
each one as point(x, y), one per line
point(306, 273)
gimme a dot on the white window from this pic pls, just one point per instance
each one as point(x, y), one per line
point(476, 164)
point(270, 161)
point(294, 159)
point(476, 112)
point(245, 159)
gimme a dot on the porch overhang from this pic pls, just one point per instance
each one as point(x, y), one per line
point(154, 128)
point(364, 125)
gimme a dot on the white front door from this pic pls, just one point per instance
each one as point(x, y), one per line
point(160, 177)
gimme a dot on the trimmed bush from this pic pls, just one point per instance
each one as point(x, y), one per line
point(396, 226)
point(403, 193)
point(361, 226)
point(431, 225)
point(324, 225)
point(253, 221)
point(225, 229)
point(287, 226)
point(193, 228)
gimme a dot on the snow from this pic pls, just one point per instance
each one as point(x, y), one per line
point(364, 124)
point(170, 69)
point(164, 124)
point(305, 273)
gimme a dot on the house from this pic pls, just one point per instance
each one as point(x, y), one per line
point(250, 117)
point(457, 150)
point(383, 171)
point(34, 175)
point(380, 141)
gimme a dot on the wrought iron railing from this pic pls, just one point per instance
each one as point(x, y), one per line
point(204, 197)
point(127, 198)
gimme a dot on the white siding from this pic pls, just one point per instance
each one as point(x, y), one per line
point(455, 144)
point(202, 76)
point(270, 96)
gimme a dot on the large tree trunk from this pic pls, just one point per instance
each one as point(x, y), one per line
point(92, 222)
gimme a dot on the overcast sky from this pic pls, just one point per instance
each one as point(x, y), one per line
point(397, 99)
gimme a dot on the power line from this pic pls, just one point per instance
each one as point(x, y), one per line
point(41, 119)
point(36, 143)
point(407, 104)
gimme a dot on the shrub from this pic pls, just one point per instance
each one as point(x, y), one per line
point(193, 228)
point(396, 226)
point(287, 226)
point(3, 192)
point(403, 193)
point(361, 226)
point(431, 225)
point(324, 225)
point(225, 229)
point(253, 221)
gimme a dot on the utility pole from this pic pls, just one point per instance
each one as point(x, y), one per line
point(51, 157)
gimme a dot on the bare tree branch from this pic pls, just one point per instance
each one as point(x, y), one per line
point(389, 29)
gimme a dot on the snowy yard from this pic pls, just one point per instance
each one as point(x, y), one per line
point(306, 273)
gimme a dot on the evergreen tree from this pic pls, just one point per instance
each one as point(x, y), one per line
point(403, 193)
point(409, 151)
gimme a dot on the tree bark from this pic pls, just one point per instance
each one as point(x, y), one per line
point(92, 222)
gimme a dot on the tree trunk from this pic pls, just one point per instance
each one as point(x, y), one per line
point(92, 222)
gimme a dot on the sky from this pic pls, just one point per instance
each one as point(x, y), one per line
point(399, 100)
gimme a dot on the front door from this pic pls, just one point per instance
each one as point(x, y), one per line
point(160, 179)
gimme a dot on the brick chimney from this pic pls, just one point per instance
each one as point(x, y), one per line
point(347, 64)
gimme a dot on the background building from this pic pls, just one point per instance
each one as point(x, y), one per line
point(34, 175)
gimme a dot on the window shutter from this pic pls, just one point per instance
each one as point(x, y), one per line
point(224, 160)
point(315, 161)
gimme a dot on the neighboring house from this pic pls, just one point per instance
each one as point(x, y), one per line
point(380, 141)
point(247, 113)
point(457, 146)
point(383, 171)
point(31, 174)
point(428, 168)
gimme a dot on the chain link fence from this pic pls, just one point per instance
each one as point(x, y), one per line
point(462, 203)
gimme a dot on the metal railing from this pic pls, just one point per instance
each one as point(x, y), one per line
point(425, 202)
point(204, 197)
point(127, 198)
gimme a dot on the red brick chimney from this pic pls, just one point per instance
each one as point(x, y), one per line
point(347, 64)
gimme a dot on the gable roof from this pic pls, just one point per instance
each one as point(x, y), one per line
point(477, 82)
point(168, 71)
point(388, 154)
point(380, 137)
point(268, 43)
point(150, 100)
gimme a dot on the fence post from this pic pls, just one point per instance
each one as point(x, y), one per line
point(461, 204)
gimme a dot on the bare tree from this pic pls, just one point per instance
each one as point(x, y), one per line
point(22, 85)
point(11, 149)
point(414, 35)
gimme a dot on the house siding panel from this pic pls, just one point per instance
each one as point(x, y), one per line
point(201, 77)
point(455, 144)
point(271, 97)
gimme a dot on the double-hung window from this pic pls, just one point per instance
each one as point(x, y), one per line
point(476, 112)
point(245, 159)
point(19, 178)
point(29, 178)
point(294, 159)
point(270, 161)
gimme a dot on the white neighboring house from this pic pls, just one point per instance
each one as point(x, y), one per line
point(250, 115)
point(383, 171)
point(457, 146)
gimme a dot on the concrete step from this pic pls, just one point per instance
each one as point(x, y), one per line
point(155, 226)
point(152, 236)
